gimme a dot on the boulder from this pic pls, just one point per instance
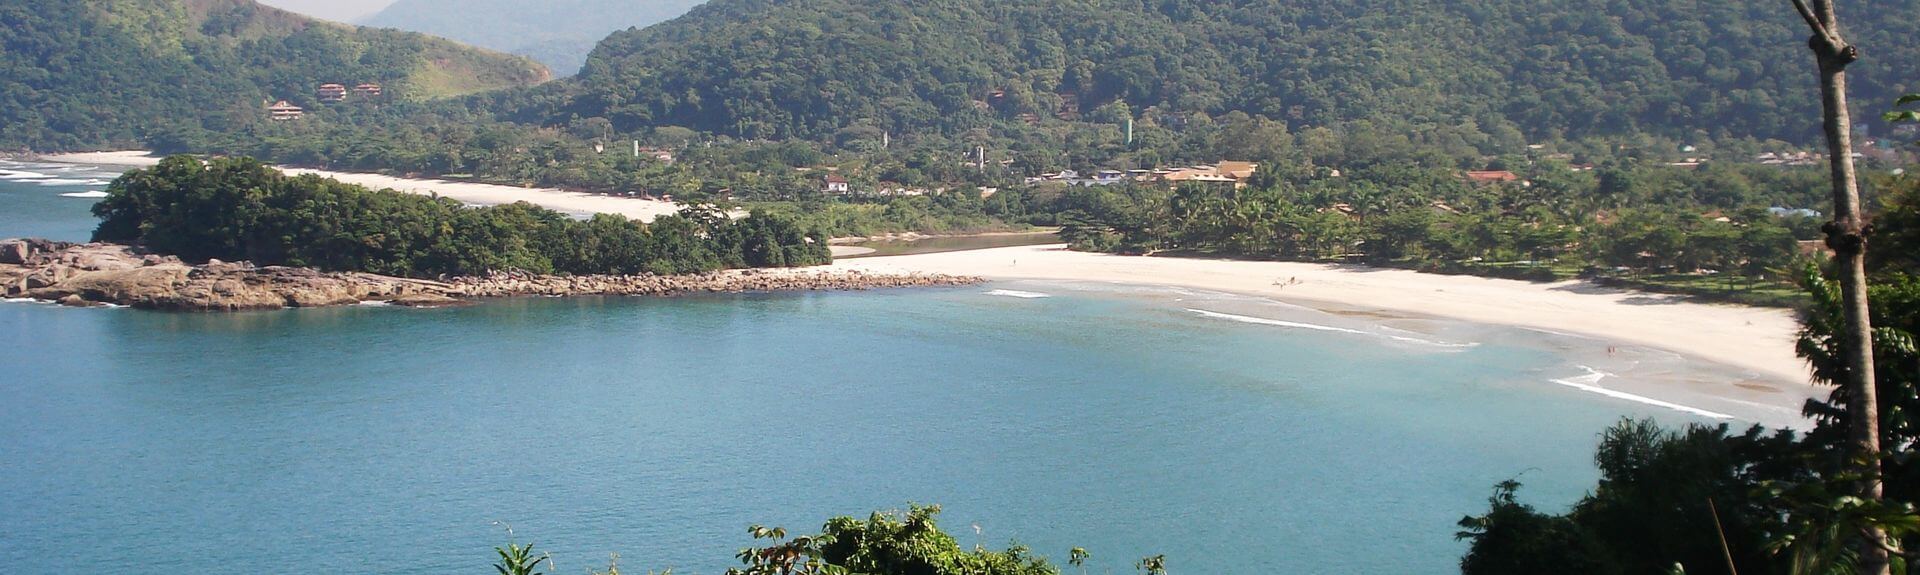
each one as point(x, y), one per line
point(14, 252)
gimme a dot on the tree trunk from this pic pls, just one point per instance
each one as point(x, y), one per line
point(1847, 236)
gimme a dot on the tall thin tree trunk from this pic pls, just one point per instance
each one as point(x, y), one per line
point(1847, 236)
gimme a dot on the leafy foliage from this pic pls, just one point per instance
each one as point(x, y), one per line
point(240, 209)
point(115, 73)
point(1659, 496)
point(516, 559)
point(1497, 70)
point(1639, 217)
point(886, 543)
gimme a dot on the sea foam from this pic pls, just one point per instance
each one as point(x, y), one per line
point(1591, 383)
point(1318, 327)
point(1018, 294)
point(88, 194)
point(19, 175)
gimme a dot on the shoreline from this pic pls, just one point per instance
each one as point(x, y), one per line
point(102, 274)
point(1753, 344)
point(572, 203)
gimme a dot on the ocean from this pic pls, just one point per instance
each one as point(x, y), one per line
point(1231, 434)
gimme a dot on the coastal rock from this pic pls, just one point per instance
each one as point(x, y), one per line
point(426, 300)
point(140, 287)
point(84, 274)
point(14, 252)
point(12, 284)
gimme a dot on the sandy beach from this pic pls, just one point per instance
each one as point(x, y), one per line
point(576, 203)
point(1757, 341)
point(1754, 343)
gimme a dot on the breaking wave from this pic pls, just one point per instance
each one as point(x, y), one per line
point(1591, 383)
point(1318, 327)
point(1018, 294)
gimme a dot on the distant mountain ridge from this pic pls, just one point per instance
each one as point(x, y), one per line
point(116, 73)
point(558, 33)
point(1542, 68)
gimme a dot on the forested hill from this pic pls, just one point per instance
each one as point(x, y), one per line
point(1548, 68)
point(558, 33)
point(108, 73)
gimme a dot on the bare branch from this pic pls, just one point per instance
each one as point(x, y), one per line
point(1813, 21)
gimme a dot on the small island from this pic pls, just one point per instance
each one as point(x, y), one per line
point(235, 234)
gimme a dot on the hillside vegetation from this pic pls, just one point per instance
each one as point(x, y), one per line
point(558, 33)
point(1505, 69)
point(112, 73)
point(241, 209)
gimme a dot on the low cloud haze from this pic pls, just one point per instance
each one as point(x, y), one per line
point(339, 10)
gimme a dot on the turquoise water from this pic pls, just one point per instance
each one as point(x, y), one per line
point(31, 204)
point(386, 440)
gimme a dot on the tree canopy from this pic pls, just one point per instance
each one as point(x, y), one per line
point(1537, 69)
point(240, 209)
point(117, 73)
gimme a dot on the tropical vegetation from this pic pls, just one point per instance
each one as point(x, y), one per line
point(1703, 499)
point(94, 74)
point(240, 209)
point(1495, 74)
point(906, 542)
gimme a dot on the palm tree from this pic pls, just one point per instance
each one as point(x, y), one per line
point(1846, 235)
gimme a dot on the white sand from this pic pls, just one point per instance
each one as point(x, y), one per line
point(1756, 340)
point(473, 193)
point(490, 195)
point(137, 159)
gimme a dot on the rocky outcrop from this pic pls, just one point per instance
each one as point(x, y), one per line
point(95, 274)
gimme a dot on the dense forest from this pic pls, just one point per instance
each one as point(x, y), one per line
point(558, 33)
point(240, 209)
point(116, 73)
point(1506, 72)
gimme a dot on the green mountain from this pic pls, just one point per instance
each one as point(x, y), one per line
point(1547, 69)
point(558, 33)
point(114, 73)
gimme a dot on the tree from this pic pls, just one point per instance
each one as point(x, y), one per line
point(890, 543)
point(1846, 235)
point(1077, 557)
point(518, 559)
point(1904, 116)
point(1152, 565)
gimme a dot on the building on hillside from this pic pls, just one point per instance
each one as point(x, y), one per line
point(368, 90)
point(663, 155)
point(330, 93)
point(837, 185)
point(1486, 177)
point(1241, 171)
point(1229, 173)
point(282, 110)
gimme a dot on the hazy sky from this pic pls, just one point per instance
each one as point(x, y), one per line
point(341, 10)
